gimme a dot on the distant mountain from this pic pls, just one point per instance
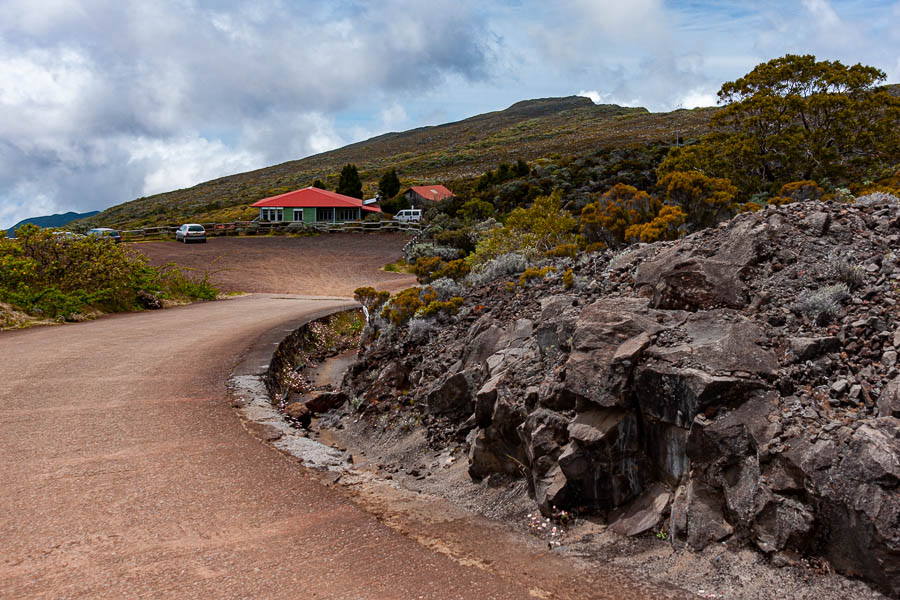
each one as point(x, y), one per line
point(448, 153)
point(51, 220)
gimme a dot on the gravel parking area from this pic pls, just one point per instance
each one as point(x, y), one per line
point(318, 265)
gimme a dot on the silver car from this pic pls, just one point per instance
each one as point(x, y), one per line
point(190, 232)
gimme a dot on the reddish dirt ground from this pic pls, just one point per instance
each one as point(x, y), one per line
point(321, 265)
point(127, 474)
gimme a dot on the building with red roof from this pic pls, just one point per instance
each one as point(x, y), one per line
point(422, 195)
point(312, 205)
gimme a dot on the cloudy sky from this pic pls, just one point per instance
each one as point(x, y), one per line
point(103, 101)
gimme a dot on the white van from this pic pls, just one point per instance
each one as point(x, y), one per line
point(409, 215)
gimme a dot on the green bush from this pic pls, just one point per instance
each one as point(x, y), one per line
point(406, 303)
point(455, 269)
point(531, 231)
point(437, 307)
point(46, 275)
point(425, 266)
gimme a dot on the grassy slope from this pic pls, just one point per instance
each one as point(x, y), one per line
point(444, 153)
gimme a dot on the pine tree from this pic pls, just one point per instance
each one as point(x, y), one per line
point(389, 185)
point(349, 183)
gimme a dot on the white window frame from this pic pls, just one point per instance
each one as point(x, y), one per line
point(298, 212)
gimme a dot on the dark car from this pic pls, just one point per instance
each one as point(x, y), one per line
point(190, 232)
point(105, 233)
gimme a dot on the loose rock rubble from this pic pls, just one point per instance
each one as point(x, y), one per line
point(740, 384)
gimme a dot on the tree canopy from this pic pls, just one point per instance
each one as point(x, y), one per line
point(349, 183)
point(389, 184)
point(794, 118)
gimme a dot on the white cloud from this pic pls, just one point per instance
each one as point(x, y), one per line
point(606, 98)
point(393, 116)
point(181, 162)
point(24, 201)
point(101, 101)
point(698, 97)
point(118, 94)
point(595, 96)
point(824, 14)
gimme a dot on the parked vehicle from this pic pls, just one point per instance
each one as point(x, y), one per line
point(105, 233)
point(409, 215)
point(66, 236)
point(190, 232)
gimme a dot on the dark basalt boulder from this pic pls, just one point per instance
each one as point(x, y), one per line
point(691, 278)
point(860, 497)
point(452, 394)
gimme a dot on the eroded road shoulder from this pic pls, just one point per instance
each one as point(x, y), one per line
point(512, 561)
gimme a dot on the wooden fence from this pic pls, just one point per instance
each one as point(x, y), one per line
point(265, 228)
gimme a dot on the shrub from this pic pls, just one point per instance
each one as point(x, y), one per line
point(664, 226)
point(846, 271)
point(406, 303)
point(529, 231)
point(564, 250)
point(437, 307)
point(568, 279)
point(368, 297)
point(420, 328)
point(534, 273)
point(455, 269)
point(823, 305)
point(460, 238)
point(876, 197)
point(446, 288)
point(417, 251)
point(178, 284)
point(502, 266)
point(425, 266)
point(41, 274)
point(608, 218)
point(704, 200)
point(476, 210)
point(798, 191)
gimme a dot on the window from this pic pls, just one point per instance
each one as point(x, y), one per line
point(270, 214)
point(348, 214)
point(325, 214)
point(298, 214)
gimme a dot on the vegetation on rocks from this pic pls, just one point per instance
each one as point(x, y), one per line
point(699, 390)
point(686, 348)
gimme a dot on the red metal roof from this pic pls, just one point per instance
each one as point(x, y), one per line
point(314, 198)
point(432, 192)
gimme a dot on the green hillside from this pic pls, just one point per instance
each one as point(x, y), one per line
point(57, 220)
point(441, 154)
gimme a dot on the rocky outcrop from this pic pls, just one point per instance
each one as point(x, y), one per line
point(693, 388)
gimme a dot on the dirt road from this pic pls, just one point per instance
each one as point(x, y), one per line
point(125, 473)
